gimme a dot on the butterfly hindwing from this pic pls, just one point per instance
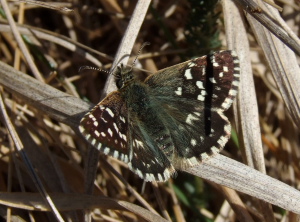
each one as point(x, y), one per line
point(148, 162)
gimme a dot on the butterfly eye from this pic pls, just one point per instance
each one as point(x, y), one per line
point(119, 83)
point(119, 77)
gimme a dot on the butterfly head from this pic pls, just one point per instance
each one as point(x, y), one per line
point(123, 76)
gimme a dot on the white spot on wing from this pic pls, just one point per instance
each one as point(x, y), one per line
point(201, 98)
point(91, 116)
point(110, 112)
point(215, 150)
point(203, 70)
point(116, 127)
point(197, 114)
point(225, 68)
point(160, 178)
point(193, 142)
point(106, 150)
point(166, 174)
point(150, 177)
point(138, 143)
point(212, 80)
point(203, 93)
point(110, 132)
point(81, 129)
point(190, 118)
point(212, 58)
point(204, 156)
point(179, 91)
point(138, 172)
point(122, 119)
point(97, 133)
point(227, 103)
point(200, 84)
point(191, 64)
point(116, 154)
point(235, 83)
point(227, 128)
point(232, 92)
point(194, 161)
point(188, 74)
point(123, 137)
point(103, 120)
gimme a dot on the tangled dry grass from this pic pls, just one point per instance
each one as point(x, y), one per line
point(43, 97)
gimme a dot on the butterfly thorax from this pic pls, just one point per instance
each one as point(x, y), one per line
point(146, 117)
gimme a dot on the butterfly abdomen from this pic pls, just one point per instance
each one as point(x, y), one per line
point(151, 124)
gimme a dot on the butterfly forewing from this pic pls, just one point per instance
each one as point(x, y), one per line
point(105, 127)
point(211, 80)
point(194, 95)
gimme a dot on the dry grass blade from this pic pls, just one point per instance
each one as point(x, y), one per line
point(236, 203)
point(232, 174)
point(33, 201)
point(246, 101)
point(251, 7)
point(247, 107)
point(54, 6)
point(30, 168)
point(60, 40)
point(128, 41)
point(61, 106)
point(20, 41)
point(284, 66)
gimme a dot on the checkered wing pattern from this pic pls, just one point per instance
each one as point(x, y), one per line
point(105, 127)
point(111, 129)
point(172, 120)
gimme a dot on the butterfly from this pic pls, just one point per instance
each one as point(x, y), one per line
point(172, 120)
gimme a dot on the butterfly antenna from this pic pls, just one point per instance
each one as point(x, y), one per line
point(139, 52)
point(91, 68)
point(112, 70)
